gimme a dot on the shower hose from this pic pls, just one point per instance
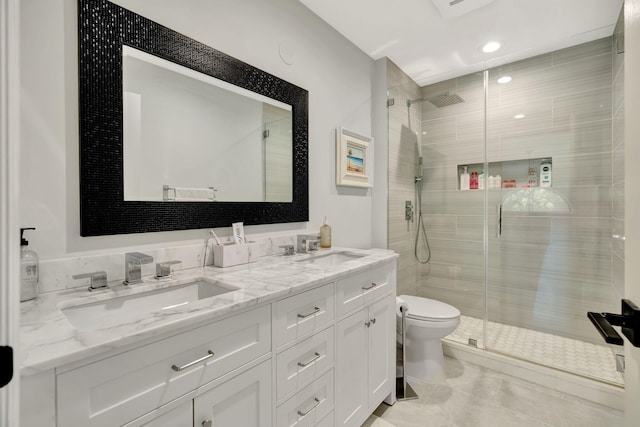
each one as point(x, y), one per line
point(421, 226)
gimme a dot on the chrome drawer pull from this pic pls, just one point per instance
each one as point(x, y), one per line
point(311, 313)
point(303, 413)
point(366, 288)
point(310, 361)
point(207, 423)
point(195, 362)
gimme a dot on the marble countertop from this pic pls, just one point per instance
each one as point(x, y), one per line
point(48, 340)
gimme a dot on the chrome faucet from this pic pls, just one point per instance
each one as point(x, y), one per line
point(307, 243)
point(98, 279)
point(133, 267)
point(163, 269)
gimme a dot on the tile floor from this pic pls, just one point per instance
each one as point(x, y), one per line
point(477, 397)
point(571, 355)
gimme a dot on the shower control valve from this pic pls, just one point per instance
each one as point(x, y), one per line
point(408, 210)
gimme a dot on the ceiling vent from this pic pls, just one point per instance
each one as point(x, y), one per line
point(450, 9)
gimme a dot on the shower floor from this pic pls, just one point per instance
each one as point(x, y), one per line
point(571, 355)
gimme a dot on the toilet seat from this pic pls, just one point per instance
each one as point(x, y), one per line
point(429, 310)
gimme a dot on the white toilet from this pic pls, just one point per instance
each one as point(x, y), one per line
point(427, 322)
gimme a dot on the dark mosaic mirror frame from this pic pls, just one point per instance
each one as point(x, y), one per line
point(103, 28)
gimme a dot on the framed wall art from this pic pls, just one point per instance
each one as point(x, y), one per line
point(353, 155)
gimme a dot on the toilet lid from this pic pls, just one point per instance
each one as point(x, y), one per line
point(429, 309)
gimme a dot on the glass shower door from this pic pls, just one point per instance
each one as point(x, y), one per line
point(549, 155)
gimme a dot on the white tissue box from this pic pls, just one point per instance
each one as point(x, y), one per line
point(232, 254)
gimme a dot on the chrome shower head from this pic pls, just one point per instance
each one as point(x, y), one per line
point(445, 100)
point(440, 100)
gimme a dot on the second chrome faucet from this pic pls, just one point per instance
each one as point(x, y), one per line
point(133, 267)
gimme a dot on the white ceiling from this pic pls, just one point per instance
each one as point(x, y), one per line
point(431, 48)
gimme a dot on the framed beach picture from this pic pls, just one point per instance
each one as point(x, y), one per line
point(352, 159)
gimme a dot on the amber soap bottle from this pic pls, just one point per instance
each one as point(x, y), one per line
point(325, 235)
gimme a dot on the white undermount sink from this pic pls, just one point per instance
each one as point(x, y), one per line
point(334, 258)
point(113, 311)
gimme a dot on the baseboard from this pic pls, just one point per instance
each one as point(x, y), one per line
point(584, 388)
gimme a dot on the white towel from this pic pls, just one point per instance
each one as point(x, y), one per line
point(194, 194)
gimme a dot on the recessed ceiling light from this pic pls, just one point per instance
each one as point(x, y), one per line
point(504, 79)
point(519, 116)
point(491, 47)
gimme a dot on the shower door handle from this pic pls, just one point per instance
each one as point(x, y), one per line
point(629, 321)
point(499, 221)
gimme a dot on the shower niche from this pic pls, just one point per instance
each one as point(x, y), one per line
point(520, 173)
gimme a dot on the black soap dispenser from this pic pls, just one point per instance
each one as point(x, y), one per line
point(29, 269)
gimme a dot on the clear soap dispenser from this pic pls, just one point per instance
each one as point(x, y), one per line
point(29, 269)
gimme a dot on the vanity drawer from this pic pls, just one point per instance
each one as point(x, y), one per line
point(363, 288)
point(310, 406)
point(301, 315)
point(118, 389)
point(304, 363)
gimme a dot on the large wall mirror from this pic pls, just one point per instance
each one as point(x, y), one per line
point(176, 135)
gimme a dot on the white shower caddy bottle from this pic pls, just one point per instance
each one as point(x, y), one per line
point(464, 179)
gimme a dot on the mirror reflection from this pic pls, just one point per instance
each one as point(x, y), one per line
point(191, 137)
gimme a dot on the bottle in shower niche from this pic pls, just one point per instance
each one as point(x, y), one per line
point(545, 174)
point(481, 181)
point(533, 179)
point(464, 179)
point(473, 181)
point(29, 269)
point(325, 235)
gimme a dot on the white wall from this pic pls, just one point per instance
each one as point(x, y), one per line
point(380, 129)
point(337, 75)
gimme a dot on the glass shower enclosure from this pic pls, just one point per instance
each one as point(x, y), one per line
point(528, 252)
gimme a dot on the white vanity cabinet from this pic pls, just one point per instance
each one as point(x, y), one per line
point(320, 357)
point(365, 343)
point(121, 388)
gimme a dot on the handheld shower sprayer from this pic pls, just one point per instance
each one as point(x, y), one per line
point(419, 173)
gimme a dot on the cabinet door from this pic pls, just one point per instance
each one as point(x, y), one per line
point(244, 401)
point(351, 370)
point(381, 351)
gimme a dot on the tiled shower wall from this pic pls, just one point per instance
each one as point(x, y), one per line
point(547, 270)
point(404, 128)
point(618, 215)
